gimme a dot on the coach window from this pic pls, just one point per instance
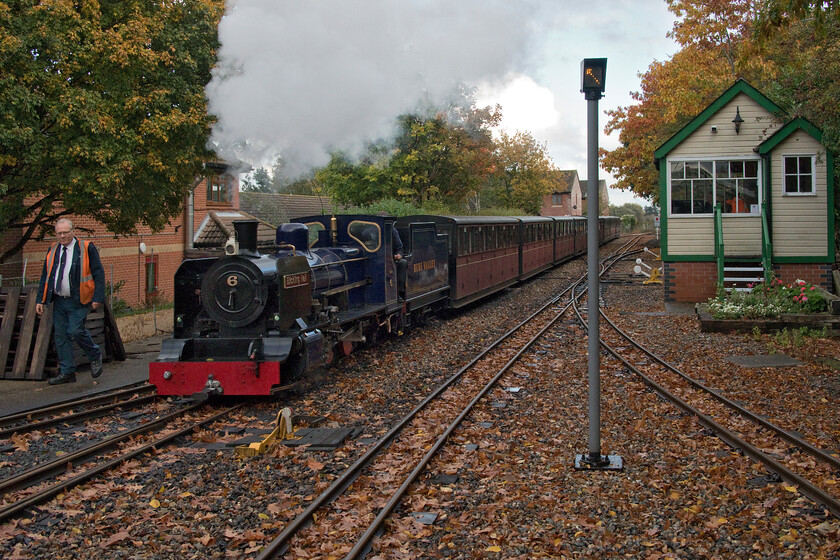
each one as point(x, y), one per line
point(366, 233)
point(477, 242)
point(463, 241)
point(314, 228)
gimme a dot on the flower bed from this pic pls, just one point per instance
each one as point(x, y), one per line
point(772, 306)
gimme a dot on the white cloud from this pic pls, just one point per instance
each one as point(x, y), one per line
point(526, 105)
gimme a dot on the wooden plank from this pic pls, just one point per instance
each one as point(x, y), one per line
point(113, 340)
point(8, 326)
point(42, 346)
point(27, 329)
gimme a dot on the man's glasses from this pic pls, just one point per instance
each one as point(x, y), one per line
point(63, 233)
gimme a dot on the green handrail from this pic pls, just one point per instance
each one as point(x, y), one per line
point(719, 241)
point(766, 245)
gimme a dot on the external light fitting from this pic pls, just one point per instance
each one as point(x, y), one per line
point(737, 120)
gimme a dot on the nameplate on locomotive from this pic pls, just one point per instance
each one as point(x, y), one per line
point(425, 265)
point(295, 280)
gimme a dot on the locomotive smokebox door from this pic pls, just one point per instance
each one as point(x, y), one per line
point(294, 298)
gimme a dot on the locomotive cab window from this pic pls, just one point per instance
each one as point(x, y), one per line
point(366, 233)
point(314, 229)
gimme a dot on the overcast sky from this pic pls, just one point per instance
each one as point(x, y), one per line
point(309, 77)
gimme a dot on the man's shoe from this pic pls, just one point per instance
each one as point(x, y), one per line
point(96, 368)
point(59, 379)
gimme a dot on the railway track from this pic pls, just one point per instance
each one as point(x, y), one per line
point(75, 411)
point(372, 484)
point(45, 480)
point(779, 450)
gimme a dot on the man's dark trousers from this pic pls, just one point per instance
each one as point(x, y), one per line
point(69, 321)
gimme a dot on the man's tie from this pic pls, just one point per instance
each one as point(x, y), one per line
point(60, 274)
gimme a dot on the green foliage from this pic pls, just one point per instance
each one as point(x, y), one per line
point(438, 157)
point(628, 222)
point(117, 303)
point(768, 300)
point(793, 341)
point(103, 107)
point(523, 173)
point(387, 206)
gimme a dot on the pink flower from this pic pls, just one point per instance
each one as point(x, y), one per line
point(813, 288)
point(804, 298)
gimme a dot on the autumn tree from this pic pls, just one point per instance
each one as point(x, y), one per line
point(523, 172)
point(717, 47)
point(103, 107)
point(440, 154)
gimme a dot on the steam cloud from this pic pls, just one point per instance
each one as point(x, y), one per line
point(304, 77)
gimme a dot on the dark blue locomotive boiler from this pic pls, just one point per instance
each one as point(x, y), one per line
point(250, 323)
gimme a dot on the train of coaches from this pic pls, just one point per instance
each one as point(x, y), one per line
point(252, 323)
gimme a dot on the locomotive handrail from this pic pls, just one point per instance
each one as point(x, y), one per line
point(338, 263)
point(347, 287)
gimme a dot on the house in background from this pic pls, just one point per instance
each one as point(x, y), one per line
point(143, 263)
point(566, 198)
point(276, 209)
point(603, 197)
point(746, 192)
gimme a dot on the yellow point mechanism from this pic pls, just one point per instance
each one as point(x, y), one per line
point(655, 277)
point(283, 430)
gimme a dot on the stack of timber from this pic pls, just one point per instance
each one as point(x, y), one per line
point(27, 349)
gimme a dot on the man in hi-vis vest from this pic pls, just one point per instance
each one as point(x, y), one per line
point(74, 281)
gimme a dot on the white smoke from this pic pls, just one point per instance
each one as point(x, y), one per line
point(305, 77)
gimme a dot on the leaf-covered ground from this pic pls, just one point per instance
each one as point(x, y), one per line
point(682, 494)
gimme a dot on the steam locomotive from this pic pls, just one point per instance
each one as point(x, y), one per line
point(253, 324)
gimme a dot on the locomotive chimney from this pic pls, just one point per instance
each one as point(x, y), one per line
point(246, 234)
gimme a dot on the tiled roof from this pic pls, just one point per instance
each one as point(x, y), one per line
point(217, 228)
point(564, 180)
point(279, 209)
point(602, 189)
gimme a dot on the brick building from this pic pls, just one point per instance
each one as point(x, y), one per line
point(145, 262)
point(603, 197)
point(566, 198)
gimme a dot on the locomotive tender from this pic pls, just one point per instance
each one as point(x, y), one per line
point(251, 323)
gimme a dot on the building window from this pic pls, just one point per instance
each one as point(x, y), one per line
point(799, 174)
point(151, 275)
point(557, 199)
point(218, 188)
point(697, 185)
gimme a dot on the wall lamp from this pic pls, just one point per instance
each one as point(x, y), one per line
point(737, 120)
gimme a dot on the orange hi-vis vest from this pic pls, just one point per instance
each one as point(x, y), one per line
point(86, 283)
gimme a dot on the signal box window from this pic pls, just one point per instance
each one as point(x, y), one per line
point(799, 174)
point(697, 185)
